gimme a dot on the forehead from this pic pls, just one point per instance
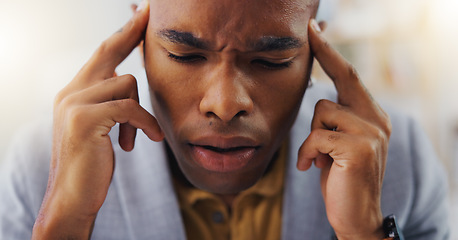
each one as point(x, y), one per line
point(233, 21)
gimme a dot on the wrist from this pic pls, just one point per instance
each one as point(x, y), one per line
point(370, 228)
point(57, 222)
point(375, 235)
point(389, 230)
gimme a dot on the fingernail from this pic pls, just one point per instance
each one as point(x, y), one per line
point(142, 5)
point(315, 25)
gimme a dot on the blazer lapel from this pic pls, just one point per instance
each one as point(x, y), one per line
point(150, 206)
point(304, 212)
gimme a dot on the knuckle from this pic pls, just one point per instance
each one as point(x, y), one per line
point(63, 100)
point(376, 133)
point(368, 148)
point(352, 72)
point(65, 103)
point(76, 115)
point(342, 108)
point(76, 112)
point(322, 105)
point(388, 128)
point(386, 124)
point(59, 97)
point(314, 134)
point(103, 48)
point(80, 122)
point(130, 81)
point(380, 135)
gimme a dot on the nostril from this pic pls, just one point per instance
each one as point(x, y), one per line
point(211, 115)
point(225, 105)
point(214, 115)
point(241, 113)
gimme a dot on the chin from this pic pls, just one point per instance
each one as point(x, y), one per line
point(223, 182)
point(225, 185)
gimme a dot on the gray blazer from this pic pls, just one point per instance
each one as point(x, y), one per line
point(141, 203)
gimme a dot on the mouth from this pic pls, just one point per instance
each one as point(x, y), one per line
point(224, 150)
point(223, 155)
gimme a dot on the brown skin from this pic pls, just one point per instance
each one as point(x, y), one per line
point(228, 92)
point(224, 91)
point(353, 157)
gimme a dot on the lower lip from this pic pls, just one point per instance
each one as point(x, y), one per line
point(222, 161)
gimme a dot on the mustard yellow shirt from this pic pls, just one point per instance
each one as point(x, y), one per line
point(255, 214)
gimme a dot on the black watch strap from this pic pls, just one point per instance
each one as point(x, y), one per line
point(390, 227)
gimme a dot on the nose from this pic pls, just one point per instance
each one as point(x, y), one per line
point(226, 95)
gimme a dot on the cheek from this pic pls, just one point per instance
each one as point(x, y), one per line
point(173, 94)
point(282, 95)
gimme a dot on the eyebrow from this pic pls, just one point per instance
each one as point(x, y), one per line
point(264, 44)
point(271, 43)
point(185, 38)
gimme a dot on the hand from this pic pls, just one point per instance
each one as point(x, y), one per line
point(85, 110)
point(349, 142)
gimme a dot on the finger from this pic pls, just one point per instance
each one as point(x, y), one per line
point(349, 87)
point(116, 48)
point(323, 25)
point(329, 115)
point(126, 111)
point(140, 46)
point(320, 142)
point(116, 88)
point(127, 132)
point(76, 85)
point(126, 138)
point(123, 87)
point(133, 7)
point(323, 160)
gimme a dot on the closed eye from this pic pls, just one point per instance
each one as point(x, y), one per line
point(271, 65)
point(186, 58)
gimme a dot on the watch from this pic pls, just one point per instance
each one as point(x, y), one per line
point(390, 228)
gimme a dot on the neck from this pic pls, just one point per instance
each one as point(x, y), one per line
point(228, 199)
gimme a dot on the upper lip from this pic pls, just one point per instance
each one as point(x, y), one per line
point(225, 143)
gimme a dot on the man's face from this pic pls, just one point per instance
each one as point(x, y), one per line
point(227, 78)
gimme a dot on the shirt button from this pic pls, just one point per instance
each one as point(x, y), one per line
point(218, 217)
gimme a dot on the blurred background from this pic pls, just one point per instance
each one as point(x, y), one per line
point(404, 50)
